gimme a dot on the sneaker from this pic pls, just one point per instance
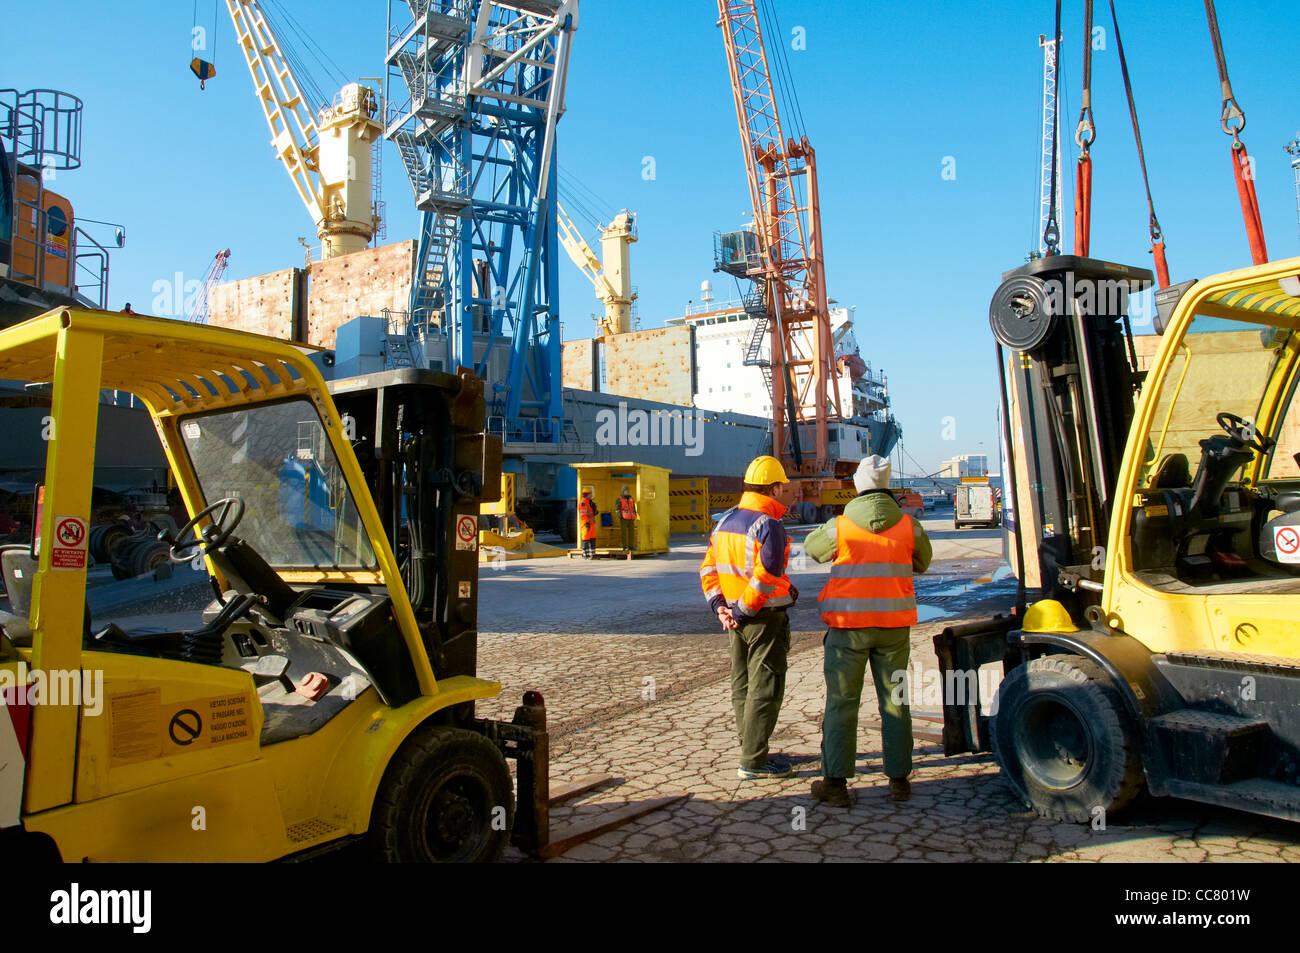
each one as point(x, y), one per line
point(834, 791)
point(900, 789)
point(774, 768)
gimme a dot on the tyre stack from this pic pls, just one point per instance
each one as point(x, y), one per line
point(129, 553)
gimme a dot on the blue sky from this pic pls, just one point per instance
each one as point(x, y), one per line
point(887, 89)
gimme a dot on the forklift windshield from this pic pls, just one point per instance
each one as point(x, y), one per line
point(1227, 367)
point(277, 460)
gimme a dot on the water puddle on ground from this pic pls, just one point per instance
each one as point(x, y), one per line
point(929, 613)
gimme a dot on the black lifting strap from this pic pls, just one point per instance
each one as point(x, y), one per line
point(1086, 132)
point(1052, 233)
point(1231, 110)
point(1156, 234)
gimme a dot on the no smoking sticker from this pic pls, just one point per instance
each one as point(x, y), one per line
point(1286, 540)
point(69, 549)
point(467, 533)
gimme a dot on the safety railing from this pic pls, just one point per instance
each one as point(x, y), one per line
point(89, 269)
point(526, 429)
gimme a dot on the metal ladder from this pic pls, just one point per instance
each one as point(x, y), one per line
point(755, 303)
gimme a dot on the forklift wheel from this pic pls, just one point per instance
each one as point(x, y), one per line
point(445, 798)
point(1061, 737)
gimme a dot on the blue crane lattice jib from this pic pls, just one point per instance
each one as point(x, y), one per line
point(473, 93)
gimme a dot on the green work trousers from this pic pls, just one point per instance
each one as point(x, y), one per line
point(628, 528)
point(848, 651)
point(759, 649)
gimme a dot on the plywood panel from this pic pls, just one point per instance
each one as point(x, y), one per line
point(1233, 355)
point(654, 364)
point(262, 304)
point(364, 282)
point(576, 360)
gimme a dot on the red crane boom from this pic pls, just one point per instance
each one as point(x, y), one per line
point(790, 271)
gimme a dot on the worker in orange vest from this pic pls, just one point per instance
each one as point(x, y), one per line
point(744, 579)
point(869, 605)
point(627, 520)
point(587, 514)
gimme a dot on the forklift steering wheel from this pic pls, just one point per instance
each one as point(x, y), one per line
point(1244, 433)
point(217, 533)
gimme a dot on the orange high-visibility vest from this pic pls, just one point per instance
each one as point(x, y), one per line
point(627, 507)
point(871, 578)
point(587, 518)
point(745, 564)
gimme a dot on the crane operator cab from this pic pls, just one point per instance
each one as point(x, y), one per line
point(312, 704)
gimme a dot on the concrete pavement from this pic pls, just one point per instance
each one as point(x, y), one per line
point(634, 669)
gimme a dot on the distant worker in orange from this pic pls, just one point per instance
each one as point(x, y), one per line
point(587, 514)
point(127, 309)
point(627, 520)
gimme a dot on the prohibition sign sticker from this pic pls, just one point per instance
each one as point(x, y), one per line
point(1286, 540)
point(466, 533)
point(185, 727)
point(69, 549)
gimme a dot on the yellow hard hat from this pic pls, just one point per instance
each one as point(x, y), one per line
point(765, 470)
point(1048, 615)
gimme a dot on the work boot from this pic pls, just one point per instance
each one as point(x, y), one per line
point(834, 791)
point(775, 767)
point(900, 789)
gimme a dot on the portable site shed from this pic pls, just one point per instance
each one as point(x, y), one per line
point(648, 486)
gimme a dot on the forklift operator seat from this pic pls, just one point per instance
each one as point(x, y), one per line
point(1173, 472)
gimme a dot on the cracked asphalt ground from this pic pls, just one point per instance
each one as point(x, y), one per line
point(635, 674)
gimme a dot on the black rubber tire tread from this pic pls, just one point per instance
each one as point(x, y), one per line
point(150, 555)
point(1113, 780)
point(92, 543)
point(569, 525)
point(429, 755)
point(113, 536)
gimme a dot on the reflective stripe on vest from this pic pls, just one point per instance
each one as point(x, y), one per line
point(587, 519)
point(871, 578)
point(737, 567)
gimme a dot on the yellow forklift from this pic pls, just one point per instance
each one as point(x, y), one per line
point(1156, 505)
point(327, 698)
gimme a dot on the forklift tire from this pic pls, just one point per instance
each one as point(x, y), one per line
point(446, 797)
point(1062, 739)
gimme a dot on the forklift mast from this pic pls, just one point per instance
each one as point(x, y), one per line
point(1072, 378)
point(419, 437)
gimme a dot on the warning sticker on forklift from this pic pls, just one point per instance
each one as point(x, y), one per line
point(207, 722)
point(144, 729)
point(70, 539)
point(1286, 540)
point(467, 533)
point(464, 590)
point(132, 719)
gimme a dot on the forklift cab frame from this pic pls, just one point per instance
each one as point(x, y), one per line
point(178, 764)
point(1192, 565)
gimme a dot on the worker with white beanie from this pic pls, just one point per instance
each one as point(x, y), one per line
point(869, 606)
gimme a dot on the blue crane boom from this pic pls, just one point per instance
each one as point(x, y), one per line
point(473, 93)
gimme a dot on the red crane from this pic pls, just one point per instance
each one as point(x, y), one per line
point(199, 312)
point(789, 268)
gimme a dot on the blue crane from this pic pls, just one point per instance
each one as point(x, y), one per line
point(473, 93)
